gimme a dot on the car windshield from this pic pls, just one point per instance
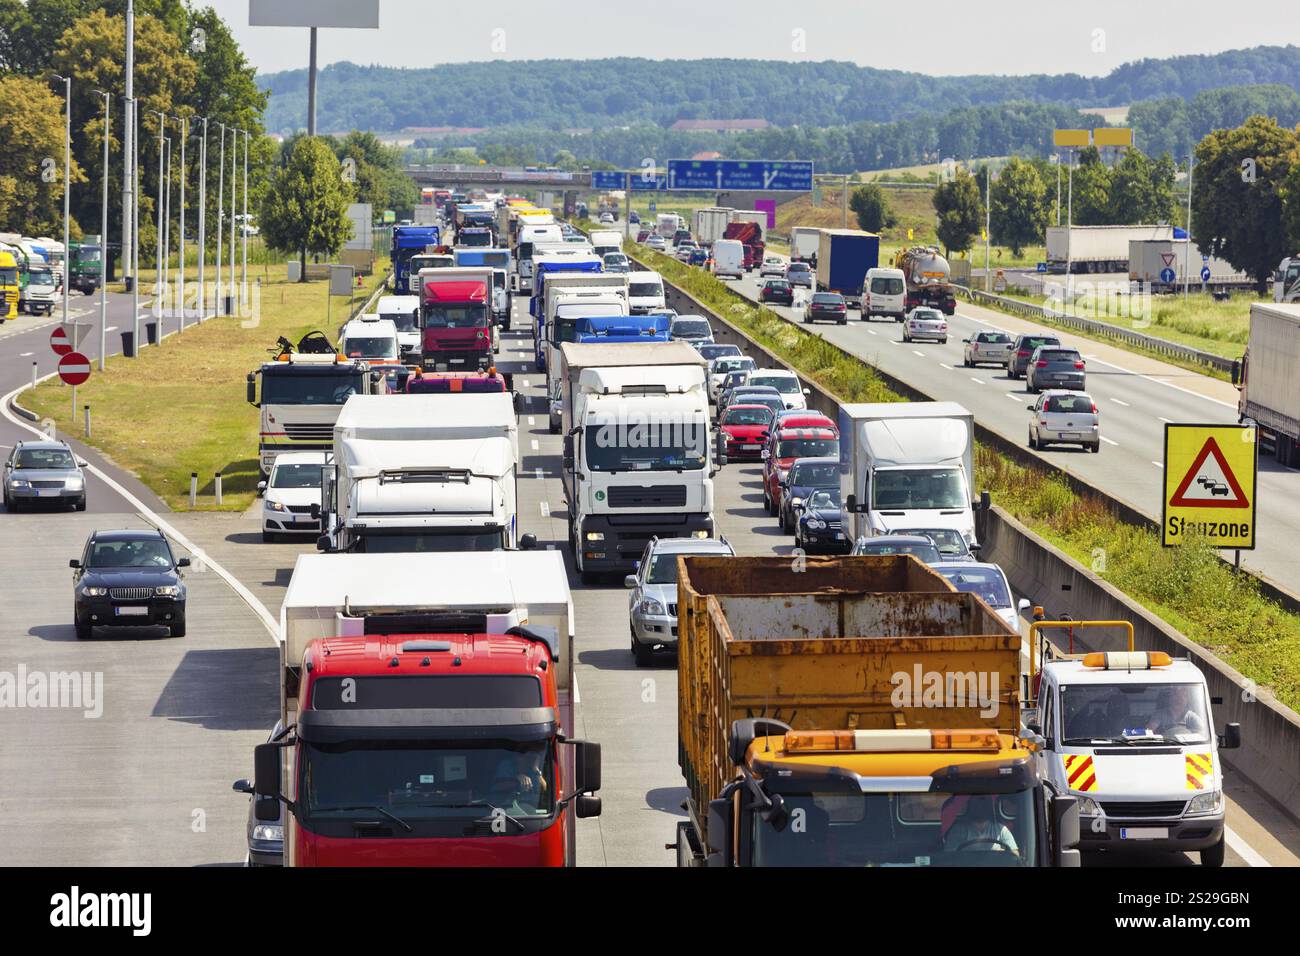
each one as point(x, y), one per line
point(887, 286)
point(951, 543)
point(332, 388)
point(646, 446)
point(1031, 342)
point(139, 553)
point(710, 352)
point(843, 828)
point(663, 568)
point(691, 328)
point(799, 267)
point(924, 551)
point(817, 474)
point(993, 338)
point(615, 259)
point(807, 448)
point(644, 289)
point(782, 383)
point(296, 475)
point(54, 459)
point(471, 316)
point(405, 321)
point(986, 582)
point(358, 347)
point(919, 488)
point(1069, 404)
point(747, 416)
point(733, 365)
point(1136, 712)
point(824, 500)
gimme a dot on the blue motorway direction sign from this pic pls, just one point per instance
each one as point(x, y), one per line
point(608, 179)
point(758, 175)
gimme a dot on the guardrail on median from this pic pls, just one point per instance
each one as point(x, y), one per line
point(1150, 343)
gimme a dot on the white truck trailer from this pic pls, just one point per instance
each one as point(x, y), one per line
point(1164, 265)
point(710, 224)
point(1097, 249)
point(1269, 393)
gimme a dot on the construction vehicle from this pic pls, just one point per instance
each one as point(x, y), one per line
point(928, 279)
point(854, 711)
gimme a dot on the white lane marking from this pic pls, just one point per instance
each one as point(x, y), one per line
point(270, 623)
point(535, 445)
point(945, 365)
point(525, 384)
point(25, 354)
point(1108, 441)
point(1243, 849)
point(1158, 464)
point(1167, 421)
point(892, 342)
point(111, 328)
point(545, 509)
point(538, 473)
point(916, 352)
point(577, 698)
point(1120, 401)
point(1014, 397)
point(532, 420)
point(978, 381)
point(871, 331)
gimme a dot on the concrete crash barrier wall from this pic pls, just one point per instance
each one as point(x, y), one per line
point(1270, 731)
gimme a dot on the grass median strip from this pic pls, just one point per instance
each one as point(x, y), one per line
point(1188, 587)
point(180, 407)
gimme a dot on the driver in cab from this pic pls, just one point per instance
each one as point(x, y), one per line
point(978, 828)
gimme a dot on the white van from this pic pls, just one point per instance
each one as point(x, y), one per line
point(884, 293)
point(404, 312)
point(370, 339)
point(645, 293)
point(729, 258)
point(606, 240)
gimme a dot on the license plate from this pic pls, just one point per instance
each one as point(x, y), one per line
point(1144, 833)
point(131, 611)
point(839, 536)
point(48, 492)
point(1069, 434)
point(750, 447)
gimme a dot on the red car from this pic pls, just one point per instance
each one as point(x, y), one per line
point(746, 428)
point(784, 445)
point(643, 235)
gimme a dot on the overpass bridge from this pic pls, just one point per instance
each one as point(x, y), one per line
point(447, 174)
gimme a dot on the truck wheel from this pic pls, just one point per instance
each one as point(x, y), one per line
point(1212, 856)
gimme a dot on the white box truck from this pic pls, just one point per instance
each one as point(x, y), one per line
point(907, 465)
point(804, 242)
point(639, 455)
point(423, 473)
point(1269, 394)
point(710, 223)
point(1096, 249)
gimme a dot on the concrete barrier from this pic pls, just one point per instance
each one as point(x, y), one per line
point(1269, 756)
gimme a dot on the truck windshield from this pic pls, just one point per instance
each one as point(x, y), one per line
point(901, 829)
point(428, 540)
point(472, 315)
point(420, 782)
point(405, 321)
point(919, 488)
point(647, 446)
point(8, 276)
point(1134, 713)
point(40, 277)
point(314, 388)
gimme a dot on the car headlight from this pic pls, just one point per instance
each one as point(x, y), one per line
point(796, 502)
point(167, 590)
point(650, 606)
point(268, 831)
point(94, 592)
point(699, 534)
point(1211, 802)
point(19, 483)
point(1087, 806)
point(72, 484)
point(273, 505)
point(816, 524)
point(595, 536)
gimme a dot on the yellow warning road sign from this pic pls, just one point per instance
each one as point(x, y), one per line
point(1209, 485)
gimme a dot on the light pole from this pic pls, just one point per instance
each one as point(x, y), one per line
point(135, 232)
point(1056, 158)
point(221, 197)
point(1187, 250)
point(180, 284)
point(243, 269)
point(159, 211)
point(988, 225)
point(128, 153)
point(67, 191)
point(234, 158)
point(103, 252)
point(164, 276)
point(203, 217)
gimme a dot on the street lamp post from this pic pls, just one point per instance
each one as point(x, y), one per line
point(203, 216)
point(243, 269)
point(180, 282)
point(67, 191)
point(159, 211)
point(221, 197)
point(164, 276)
point(135, 230)
point(103, 252)
point(234, 156)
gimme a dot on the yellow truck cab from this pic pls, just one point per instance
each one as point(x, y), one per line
point(1130, 735)
point(8, 286)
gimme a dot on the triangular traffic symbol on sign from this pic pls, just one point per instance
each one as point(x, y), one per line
point(1210, 486)
point(1168, 257)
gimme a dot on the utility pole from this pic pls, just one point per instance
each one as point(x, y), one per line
point(67, 190)
point(311, 87)
point(1057, 159)
point(159, 211)
point(180, 285)
point(221, 197)
point(103, 255)
point(988, 225)
point(203, 217)
point(128, 153)
point(844, 200)
point(234, 153)
point(135, 234)
point(165, 274)
point(1069, 228)
point(243, 273)
point(1187, 250)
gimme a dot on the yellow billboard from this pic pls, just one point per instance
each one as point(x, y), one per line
point(1071, 137)
point(1209, 485)
point(1112, 136)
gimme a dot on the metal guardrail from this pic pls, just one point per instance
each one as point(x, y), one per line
point(1104, 329)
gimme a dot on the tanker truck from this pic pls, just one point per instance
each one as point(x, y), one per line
point(928, 278)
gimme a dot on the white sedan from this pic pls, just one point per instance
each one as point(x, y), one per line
point(925, 323)
point(773, 266)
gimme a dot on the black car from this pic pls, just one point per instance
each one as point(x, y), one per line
point(777, 290)
point(806, 476)
point(128, 579)
point(821, 525)
point(826, 305)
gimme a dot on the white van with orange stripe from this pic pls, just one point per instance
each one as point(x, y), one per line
point(1130, 736)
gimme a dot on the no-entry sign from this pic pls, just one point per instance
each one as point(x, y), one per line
point(74, 368)
point(59, 341)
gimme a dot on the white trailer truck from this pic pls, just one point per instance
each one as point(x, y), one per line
point(1267, 379)
point(639, 455)
point(423, 473)
point(1096, 249)
point(1148, 260)
point(804, 242)
point(710, 224)
point(907, 465)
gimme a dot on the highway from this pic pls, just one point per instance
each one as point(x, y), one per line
point(148, 781)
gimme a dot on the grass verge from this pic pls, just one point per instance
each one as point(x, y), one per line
point(181, 407)
point(1189, 587)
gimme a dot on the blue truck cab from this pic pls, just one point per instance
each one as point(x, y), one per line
point(409, 241)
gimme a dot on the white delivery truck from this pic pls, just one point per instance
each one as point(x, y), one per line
point(804, 243)
point(1130, 735)
point(667, 224)
point(1097, 249)
point(639, 455)
point(710, 224)
point(533, 239)
point(729, 258)
point(432, 472)
point(645, 293)
point(907, 465)
point(573, 297)
point(404, 312)
point(1269, 396)
point(606, 240)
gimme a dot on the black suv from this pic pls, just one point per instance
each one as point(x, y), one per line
point(128, 579)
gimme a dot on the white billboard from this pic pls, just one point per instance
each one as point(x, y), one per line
point(360, 14)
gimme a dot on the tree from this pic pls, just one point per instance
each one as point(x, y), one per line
point(1237, 195)
point(960, 211)
point(31, 163)
point(872, 209)
point(381, 178)
point(305, 209)
point(1019, 206)
point(1090, 192)
point(1142, 189)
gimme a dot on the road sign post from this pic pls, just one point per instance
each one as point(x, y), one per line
point(1209, 492)
point(74, 368)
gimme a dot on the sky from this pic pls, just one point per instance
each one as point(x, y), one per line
point(937, 37)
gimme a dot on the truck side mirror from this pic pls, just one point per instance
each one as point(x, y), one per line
point(266, 770)
point(586, 806)
point(568, 452)
point(261, 488)
point(323, 543)
point(586, 766)
point(850, 503)
point(1230, 739)
point(252, 389)
point(1065, 830)
point(719, 832)
point(527, 542)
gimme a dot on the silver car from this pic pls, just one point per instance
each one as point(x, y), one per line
point(925, 323)
point(990, 583)
point(652, 594)
point(991, 348)
point(1061, 417)
point(39, 472)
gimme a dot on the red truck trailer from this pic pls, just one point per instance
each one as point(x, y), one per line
point(750, 235)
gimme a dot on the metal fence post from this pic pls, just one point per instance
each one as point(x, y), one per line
point(217, 481)
point(194, 488)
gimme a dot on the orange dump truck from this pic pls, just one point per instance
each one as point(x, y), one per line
point(854, 711)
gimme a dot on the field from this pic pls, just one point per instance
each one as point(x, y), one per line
point(181, 406)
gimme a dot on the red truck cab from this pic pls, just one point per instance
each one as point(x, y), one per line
point(456, 327)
